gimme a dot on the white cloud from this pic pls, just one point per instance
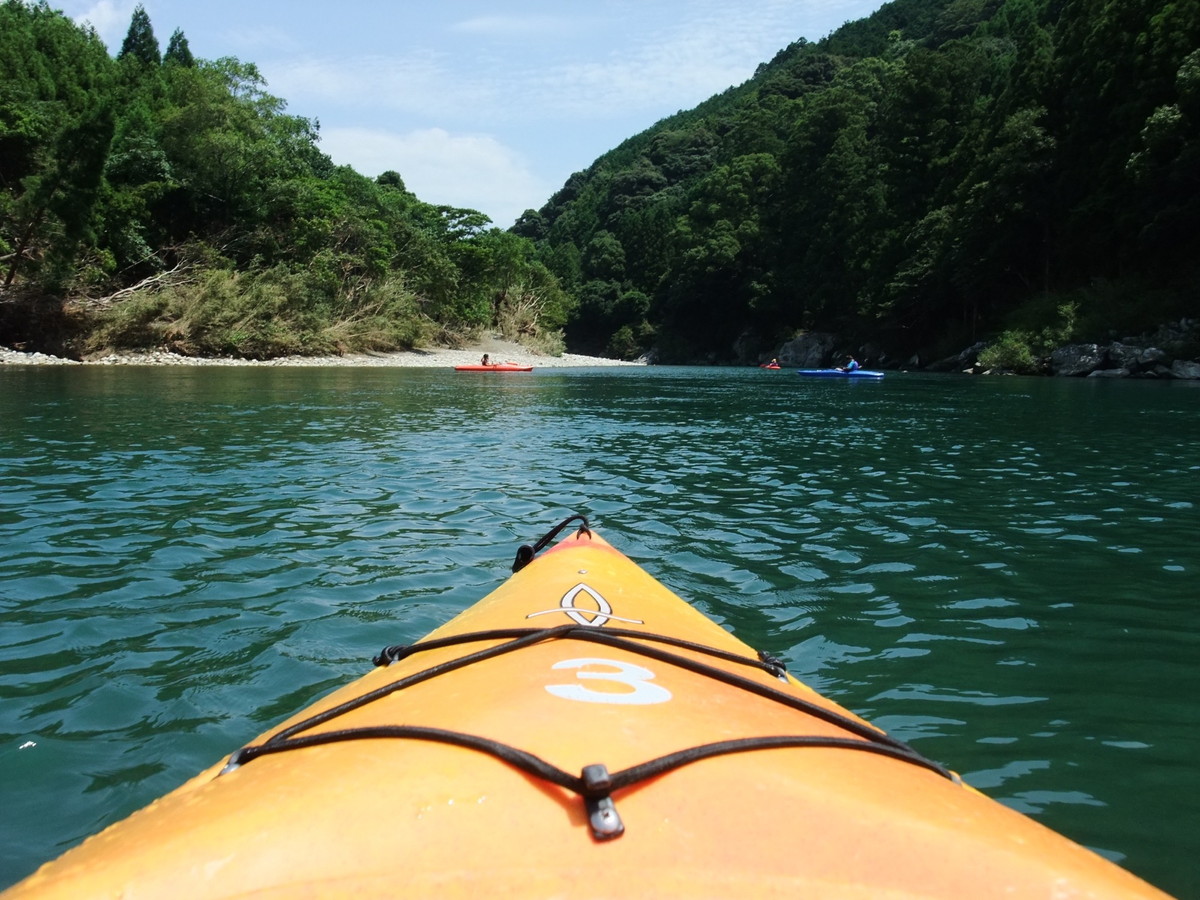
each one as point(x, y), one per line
point(108, 17)
point(468, 170)
point(259, 39)
point(661, 64)
point(418, 83)
point(688, 61)
point(518, 26)
point(667, 65)
point(425, 85)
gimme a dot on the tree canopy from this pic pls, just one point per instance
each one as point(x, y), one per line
point(919, 179)
point(171, 200)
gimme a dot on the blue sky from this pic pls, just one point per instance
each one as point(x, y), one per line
point(485, 104)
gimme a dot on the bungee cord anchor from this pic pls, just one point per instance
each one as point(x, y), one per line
point(595, 785)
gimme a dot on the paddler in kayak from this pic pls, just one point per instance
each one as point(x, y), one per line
point(485, 361)
point(850, 366)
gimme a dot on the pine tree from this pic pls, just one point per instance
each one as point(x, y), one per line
point(140, 42)
point(178, 51)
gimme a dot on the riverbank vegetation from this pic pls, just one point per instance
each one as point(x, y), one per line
point(941, 173)
point(157, 199)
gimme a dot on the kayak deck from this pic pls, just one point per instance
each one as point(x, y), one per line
point(581, 731)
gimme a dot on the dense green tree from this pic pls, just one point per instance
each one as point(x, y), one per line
point(1116, 61)
point(56, 123)
point(530, 224)
point(1166, 170)
point(57, 207)
point(391, 179)
point(178, 51)
point(140, 43)
point(677, 155)
point(597, 315)
point(604, 258)
point(227, 140)
point(565, 261)
point(645, 236)
point(137, 174)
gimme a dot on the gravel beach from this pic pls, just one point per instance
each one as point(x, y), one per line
point(434, 358)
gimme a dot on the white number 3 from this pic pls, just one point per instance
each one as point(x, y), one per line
point(635, 678)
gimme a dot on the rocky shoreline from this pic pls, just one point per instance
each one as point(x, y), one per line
point(433, 358)
point(1165, 354)
point(1168, 353)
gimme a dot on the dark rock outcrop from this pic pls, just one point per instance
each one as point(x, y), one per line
point(1169, 352)
point(808, 351)
point(1076, 359)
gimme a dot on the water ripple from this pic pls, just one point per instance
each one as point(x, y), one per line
point(993, 569)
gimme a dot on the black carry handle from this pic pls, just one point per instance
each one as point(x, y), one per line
point(526, 553)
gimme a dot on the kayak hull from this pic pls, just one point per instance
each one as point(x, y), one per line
point(868, 374)
point(412, 814)
point(498, 368)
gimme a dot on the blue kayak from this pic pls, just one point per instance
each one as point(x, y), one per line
point(838, 373)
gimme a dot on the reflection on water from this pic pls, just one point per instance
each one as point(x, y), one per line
point(1001, 571)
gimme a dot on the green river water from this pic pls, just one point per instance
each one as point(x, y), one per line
point(1001, 571)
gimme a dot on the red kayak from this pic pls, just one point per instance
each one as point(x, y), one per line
point(494, 367)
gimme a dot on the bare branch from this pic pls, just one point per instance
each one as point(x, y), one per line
point(151, 283)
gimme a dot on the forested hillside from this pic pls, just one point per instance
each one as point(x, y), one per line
point(941, 172)
point(157, 199)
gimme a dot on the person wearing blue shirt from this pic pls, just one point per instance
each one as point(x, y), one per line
point(850, 366)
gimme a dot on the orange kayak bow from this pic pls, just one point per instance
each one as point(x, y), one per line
point(581, 731)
